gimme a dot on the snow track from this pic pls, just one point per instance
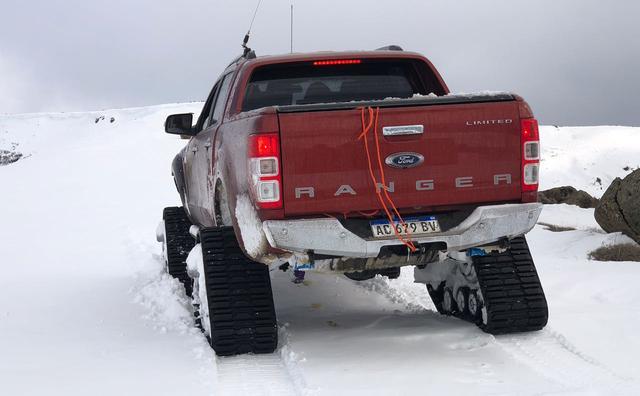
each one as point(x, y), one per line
point(260, 375)
point(551, 355)
point(85, 307)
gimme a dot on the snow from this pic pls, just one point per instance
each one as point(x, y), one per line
point(85, 307)
point(250, 226)
point(195, 269)
point(582, 156)
point(479, 93)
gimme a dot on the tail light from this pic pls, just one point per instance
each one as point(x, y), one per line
point(530, 155)
point(264, 170)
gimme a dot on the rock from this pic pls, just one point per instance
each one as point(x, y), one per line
point(608, 213)
point(629, 201)
point(567, 195)
point(619, 208)
point(9, 157)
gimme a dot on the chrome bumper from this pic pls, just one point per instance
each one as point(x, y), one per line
point(486, 224)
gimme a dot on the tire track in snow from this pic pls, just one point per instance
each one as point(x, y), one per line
point(547, 352)
point(248, 374)
point(551, 355)
point(253, 375)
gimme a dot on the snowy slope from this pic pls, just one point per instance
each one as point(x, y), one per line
point(588, 158)
point(77, 252)
point(86, 309)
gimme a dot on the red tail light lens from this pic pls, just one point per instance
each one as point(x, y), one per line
point(264, 170)
point(265, 145)
point(530, 138)
point(530, 129)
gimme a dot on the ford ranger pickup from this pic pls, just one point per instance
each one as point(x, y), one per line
point(356, 163)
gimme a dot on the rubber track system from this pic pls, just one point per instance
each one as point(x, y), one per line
point(511, 294)
point(511, 289)
point(239, 296)
point(179, 244)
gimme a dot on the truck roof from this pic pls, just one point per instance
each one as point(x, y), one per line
point(246, 65)
point(328, 55)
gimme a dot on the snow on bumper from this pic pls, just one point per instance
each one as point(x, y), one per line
point(485, 225)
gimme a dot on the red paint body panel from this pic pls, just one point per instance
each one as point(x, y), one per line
point(322, 150)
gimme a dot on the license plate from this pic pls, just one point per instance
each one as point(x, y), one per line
point(412, 226)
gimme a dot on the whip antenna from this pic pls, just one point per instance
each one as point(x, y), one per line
point(291, 33)
point(246, 36)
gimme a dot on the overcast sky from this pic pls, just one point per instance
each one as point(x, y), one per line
point(577, 62)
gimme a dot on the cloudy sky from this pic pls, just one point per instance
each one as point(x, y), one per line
point(576, 61)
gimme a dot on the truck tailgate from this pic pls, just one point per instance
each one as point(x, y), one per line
point(471, 156)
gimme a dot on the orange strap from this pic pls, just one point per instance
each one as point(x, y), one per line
point(385, 200)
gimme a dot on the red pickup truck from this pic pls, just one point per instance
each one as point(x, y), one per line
point(356, 163)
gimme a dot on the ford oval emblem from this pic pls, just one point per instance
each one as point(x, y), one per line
point(404, 160)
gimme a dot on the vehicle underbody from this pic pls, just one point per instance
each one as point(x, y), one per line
point(329, 244)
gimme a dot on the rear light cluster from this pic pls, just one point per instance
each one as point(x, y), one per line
point(530, 154)
point(264, 170)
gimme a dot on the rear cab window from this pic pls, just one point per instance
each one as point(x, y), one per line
point(313, 82)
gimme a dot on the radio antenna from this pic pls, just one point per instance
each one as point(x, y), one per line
point(291, 33)
point(246, 36)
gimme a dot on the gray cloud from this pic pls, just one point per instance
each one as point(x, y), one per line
point(575, 61)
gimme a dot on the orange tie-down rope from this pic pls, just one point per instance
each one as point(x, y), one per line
point(385, 200)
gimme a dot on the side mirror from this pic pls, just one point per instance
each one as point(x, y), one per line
point(179, 124)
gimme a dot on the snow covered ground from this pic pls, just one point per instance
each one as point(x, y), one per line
point(86, 309)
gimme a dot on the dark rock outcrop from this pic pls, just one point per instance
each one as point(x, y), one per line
point(619, 208)
point(567, 195)
point(9, 157)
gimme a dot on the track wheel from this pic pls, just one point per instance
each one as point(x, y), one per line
point(461, 300)
point(448, 302)
point(176, 245)
point(236, 310)
point(473, 305)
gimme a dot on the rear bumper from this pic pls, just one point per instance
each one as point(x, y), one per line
point(327, 236)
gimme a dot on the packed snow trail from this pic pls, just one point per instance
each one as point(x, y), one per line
point(85, 307)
